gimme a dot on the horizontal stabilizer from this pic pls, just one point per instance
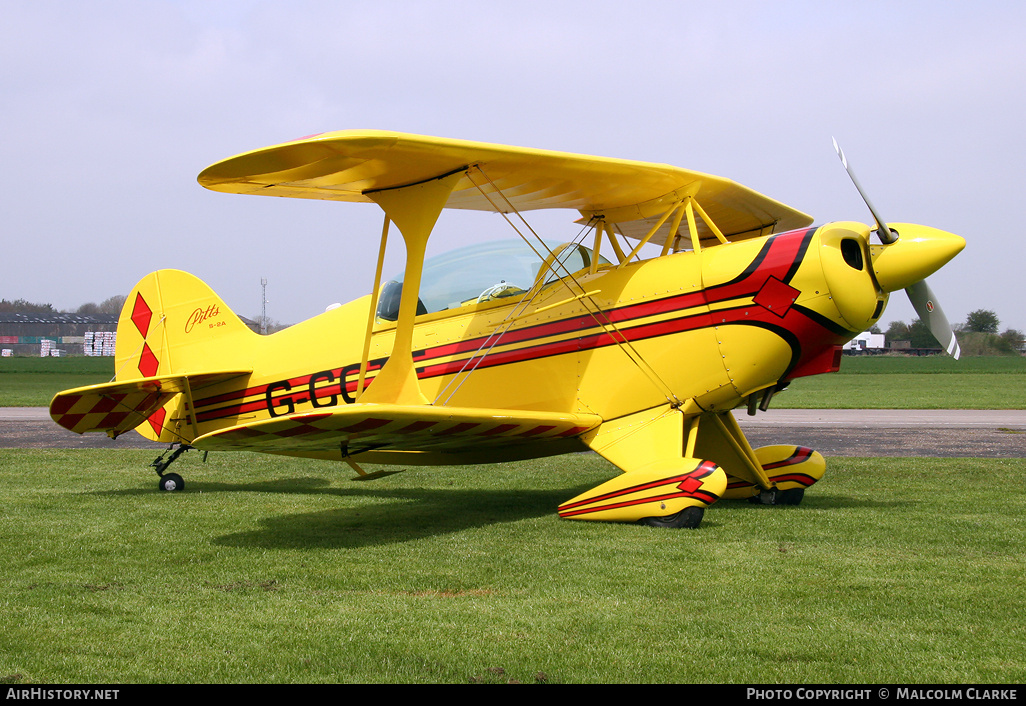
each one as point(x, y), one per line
point(391, 427)
point(117, 407)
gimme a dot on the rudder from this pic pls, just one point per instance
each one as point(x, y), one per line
point(172, 322)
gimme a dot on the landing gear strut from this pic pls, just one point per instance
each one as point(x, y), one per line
point(170, 482)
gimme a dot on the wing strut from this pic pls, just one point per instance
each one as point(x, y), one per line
point(674, 235)
point(600, 225)
point(708, 221)
point(373, 309)
point(652, 231)
point(687, 205)
point(414, 209)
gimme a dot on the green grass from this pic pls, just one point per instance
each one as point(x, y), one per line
point(932, 365)
point(32, 382)
point(279, 570)
point(864, 382)
point(902, 382)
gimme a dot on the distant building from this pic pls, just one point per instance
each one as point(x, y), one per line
point(55, 334)
point(865, 342)
point(64, 334)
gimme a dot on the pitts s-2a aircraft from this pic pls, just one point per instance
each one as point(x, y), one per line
point(502, 352)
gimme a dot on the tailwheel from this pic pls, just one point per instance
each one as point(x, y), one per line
point(688, 518)
point(171, 482)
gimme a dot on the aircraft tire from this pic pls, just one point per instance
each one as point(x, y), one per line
point(171, 482)
point(791, 497)
point(688, 518)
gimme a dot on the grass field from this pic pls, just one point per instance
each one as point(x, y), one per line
point(901, 382)
point(276, 570)
point(32, 382)
point(866, 382)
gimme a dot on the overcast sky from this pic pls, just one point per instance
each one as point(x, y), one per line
point(109, 110)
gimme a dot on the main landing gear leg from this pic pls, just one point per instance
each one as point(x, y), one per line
point(170, 482)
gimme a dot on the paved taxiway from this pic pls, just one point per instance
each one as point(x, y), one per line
point(832, 432)
point(891, 432)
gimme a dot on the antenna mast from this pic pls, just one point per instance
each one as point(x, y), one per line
point(263, 305)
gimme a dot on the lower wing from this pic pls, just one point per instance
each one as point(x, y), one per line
point(359, 428)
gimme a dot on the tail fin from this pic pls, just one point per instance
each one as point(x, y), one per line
point(175, 336)
point(173, 322)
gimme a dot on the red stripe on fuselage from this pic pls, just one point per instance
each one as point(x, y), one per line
point(779, 258)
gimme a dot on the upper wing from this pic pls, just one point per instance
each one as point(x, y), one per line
point(342, 166)
point(388, 427)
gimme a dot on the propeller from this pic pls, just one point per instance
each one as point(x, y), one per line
point(906, 270)
point(886, 235)
point(930, 314)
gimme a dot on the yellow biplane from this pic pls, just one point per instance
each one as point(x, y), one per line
point(683, 297)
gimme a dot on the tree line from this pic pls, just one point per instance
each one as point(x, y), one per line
point(978, 335)
point(110, 305)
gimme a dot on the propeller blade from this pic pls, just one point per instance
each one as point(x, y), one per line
point(886, 235)
point(898, 270)
point(930, 314)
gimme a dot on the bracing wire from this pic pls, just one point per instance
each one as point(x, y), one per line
point(593, 309)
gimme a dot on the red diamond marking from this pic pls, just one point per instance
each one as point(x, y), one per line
point(415, 427)
point(63, 405)
point(156, 421)
point(501, 429)
point(107, 404)
point(141, 315)
point(365, 425)
point(776, 296)
point(148, 362)
point(457, 429)
point(244, 433)
point(299, 430)
point(690, 484)
point(113, 420)
point(70, 421)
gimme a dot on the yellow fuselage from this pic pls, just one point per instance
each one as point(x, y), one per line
point(702, 329)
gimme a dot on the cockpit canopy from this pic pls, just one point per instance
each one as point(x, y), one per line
point(484, 272)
